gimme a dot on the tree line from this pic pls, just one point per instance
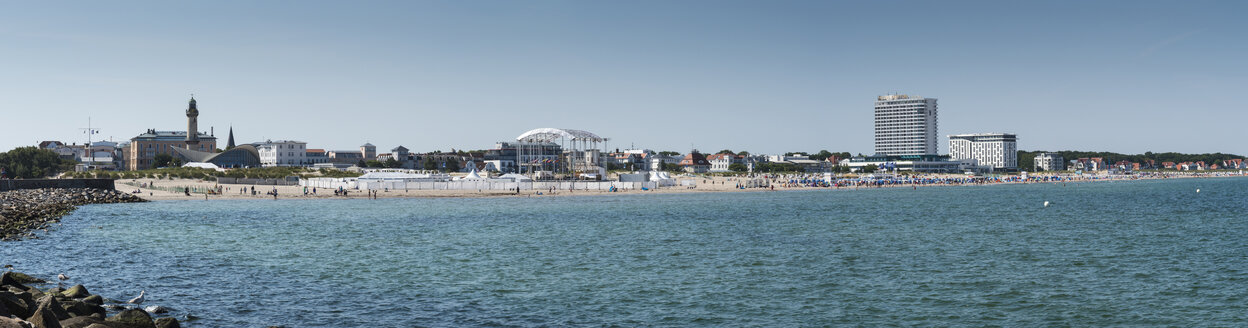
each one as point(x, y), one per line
point(31, 163)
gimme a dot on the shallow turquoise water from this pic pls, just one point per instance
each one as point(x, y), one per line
point(1149, 253)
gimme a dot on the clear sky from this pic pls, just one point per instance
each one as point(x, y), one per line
point(762, 76)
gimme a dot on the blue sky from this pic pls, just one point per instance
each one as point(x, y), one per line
point(763, 76)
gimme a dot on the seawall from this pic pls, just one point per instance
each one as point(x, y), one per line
point(106, 184)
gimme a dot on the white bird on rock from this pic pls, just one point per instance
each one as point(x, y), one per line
point(62, 277)
point(137, 300)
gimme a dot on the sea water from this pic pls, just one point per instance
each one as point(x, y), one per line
point(1142, 253)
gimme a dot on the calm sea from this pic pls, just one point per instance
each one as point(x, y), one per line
point(1147, 253)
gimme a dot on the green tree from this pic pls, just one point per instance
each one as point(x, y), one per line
point(393, 163)
point(738, 167)
point(430, 164)
point(726, 151)
point(672, 167)
point(743, 153)
point(822, 155)
point(374, 163)
point(452, 165)
point(162, 160)
point(870, 168)
point(668, 153)
point(32, 162)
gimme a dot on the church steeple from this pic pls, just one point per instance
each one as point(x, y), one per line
point(230, 144)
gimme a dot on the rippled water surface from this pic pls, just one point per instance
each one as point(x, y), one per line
point(1149, 253)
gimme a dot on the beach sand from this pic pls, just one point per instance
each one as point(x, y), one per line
point(172, 189)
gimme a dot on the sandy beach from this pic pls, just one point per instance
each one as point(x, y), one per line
point(174, 189)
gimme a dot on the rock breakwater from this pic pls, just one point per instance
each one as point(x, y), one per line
point(31, 307)
point(23, 211)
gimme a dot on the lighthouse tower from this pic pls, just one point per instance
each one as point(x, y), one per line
point(192, 125)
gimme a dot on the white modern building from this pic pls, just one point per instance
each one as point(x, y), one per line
point(915, 163)
point(1049, 162)
point(282, 153)
point(905, 125)
point(997, 150)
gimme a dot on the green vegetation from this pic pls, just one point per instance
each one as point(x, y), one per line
point(393, 163)
point(769, 167)
point(32, 162)
point(821, 155)
point(452, 165)
point(738, 167)
point(166, 160)
point(668, 153)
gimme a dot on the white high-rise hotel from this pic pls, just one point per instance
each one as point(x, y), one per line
point(905, 125)
point(998, 150)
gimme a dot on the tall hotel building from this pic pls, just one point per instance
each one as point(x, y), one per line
point(905, 125)
point(998, 150)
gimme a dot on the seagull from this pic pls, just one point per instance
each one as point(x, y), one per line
point(137, 300)
point(62, 277)
point(1197, 190)
point(1046, 203)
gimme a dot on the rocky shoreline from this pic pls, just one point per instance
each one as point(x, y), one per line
point(22, 306)
point(24, 211)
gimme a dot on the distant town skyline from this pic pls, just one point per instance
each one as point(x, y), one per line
point(765, 77)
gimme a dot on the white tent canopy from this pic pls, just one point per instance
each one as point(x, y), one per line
point(551, 134)
point(472, 175)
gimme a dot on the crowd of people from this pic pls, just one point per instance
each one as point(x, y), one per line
point(887, 180)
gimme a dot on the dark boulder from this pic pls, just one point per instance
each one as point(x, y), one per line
point(44, 317)
point(98, 325)
point(21, 278)
point(132, 318)
point(78, 291)
point(9, 279)
point(13, 323)
point(50, 303)
point(80, 322)
point(81, 308)
point(94, 299)
point(18, 304)
point(167, 323)
point(35, 293)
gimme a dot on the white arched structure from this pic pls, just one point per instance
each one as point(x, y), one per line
point(558, 151)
